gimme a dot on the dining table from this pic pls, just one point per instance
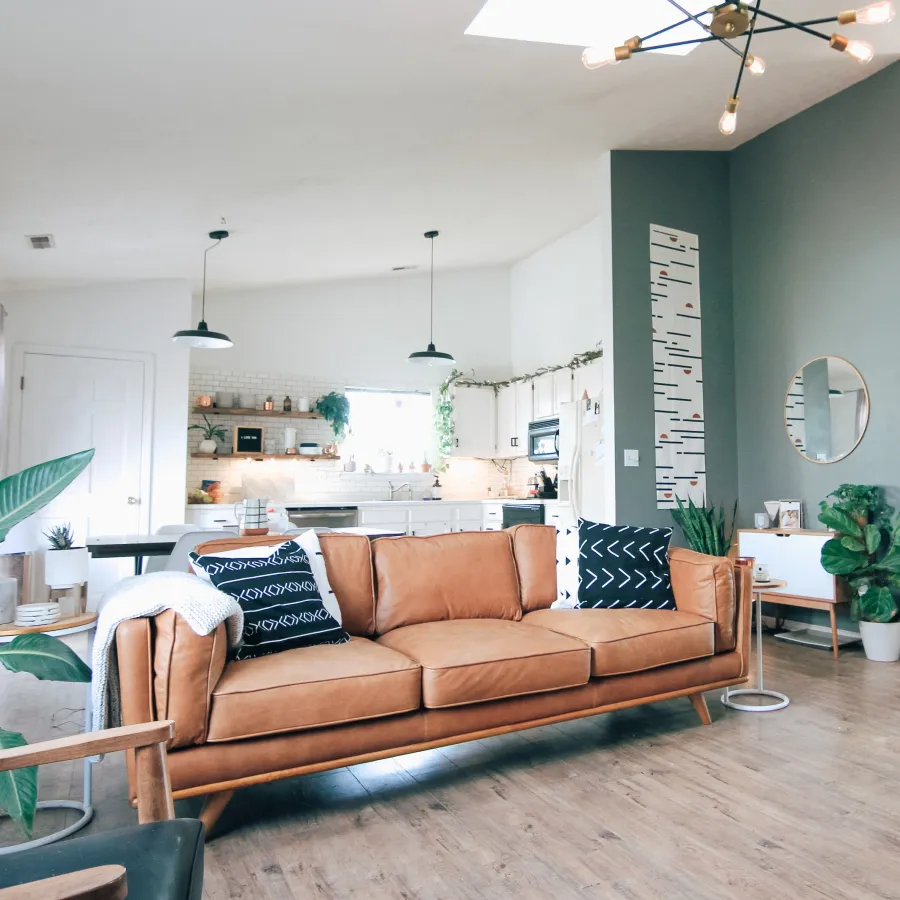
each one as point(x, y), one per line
point(136, 546)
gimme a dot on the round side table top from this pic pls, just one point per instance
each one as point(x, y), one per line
point(770, 585)
point(72, 625)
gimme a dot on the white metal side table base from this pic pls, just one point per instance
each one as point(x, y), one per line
point(760, 689)
point(783, 700)
point(85, 805)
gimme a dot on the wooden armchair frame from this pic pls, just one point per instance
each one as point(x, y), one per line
point(154, 800)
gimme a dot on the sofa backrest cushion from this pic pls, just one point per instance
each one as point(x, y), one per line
point(535, 551)
point(348, 560)
point(470, 575)
point(705, 585)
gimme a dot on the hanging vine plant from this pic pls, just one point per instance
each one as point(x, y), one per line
point(443, 412)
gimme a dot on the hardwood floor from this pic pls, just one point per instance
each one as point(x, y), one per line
point(638, 804)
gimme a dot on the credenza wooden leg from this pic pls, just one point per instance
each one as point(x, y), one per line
point(834, 633)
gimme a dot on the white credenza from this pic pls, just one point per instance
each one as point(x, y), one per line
point(794, 557)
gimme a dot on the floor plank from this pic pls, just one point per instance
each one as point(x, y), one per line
point(643, 804)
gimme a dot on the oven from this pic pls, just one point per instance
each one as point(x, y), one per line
point(543, 441)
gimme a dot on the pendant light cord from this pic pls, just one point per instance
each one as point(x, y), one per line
point(203, 301)
point(431, 331)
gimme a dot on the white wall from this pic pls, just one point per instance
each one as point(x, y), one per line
point(139, 318)
point(561, 304)
point(360, 333)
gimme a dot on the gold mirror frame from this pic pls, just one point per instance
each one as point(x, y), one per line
point(862, 433)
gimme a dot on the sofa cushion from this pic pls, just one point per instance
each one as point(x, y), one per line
point(283, 609)
point(311, 687)
point(623, 566)
point(348, 559)
point(631, 640)
point(470, 575)
point(470, 660)
point(534, 547)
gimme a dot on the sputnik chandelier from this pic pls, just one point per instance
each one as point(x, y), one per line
point(727, 21)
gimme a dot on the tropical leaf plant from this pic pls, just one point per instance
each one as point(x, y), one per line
point(48, 659)
point(704, 527)
point(865, 551)
point(211, 431)
point(23, 494)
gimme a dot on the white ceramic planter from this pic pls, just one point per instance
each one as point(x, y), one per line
point(881, 640)
point(66, 568)
point(207, 447)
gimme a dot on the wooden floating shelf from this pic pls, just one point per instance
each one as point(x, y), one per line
point(261, 456)
point(266, 413)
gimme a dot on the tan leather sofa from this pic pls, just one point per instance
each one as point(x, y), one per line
point(452, 640)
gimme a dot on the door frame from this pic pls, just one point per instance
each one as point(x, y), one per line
point(21, 350)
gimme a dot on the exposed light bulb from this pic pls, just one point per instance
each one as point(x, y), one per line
point(873, 14)
point(756, 65)
point(861, 51)
point(728, 122)
point(596, 57)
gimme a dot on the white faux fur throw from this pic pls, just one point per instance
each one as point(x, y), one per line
point(201, 605)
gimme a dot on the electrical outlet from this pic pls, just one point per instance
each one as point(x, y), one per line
point(632, 457)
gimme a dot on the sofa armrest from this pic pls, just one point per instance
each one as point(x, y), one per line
point(168, 671)
point(708, 586)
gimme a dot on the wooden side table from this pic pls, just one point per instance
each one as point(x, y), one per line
point(86, 623)
point(759, 588)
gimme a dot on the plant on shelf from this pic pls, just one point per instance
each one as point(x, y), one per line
point(335, 409)
point(704, 527)
point(211, 433)
point(22, 495)
point(866, 553)
point(61, 537)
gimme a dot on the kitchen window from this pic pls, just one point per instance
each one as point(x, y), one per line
point(390, 428)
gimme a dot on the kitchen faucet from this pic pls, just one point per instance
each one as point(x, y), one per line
point(395, 490)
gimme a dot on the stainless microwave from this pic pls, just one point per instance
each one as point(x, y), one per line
point(543, 441)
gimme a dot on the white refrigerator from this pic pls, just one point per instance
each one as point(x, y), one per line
point(584, 461)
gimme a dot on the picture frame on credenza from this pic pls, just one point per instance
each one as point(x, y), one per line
point(790, 515)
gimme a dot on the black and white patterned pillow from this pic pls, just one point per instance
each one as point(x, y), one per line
point(623, 567)
point(280, 599)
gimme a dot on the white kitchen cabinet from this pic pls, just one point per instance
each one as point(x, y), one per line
point(543, 396)
point(211, 516)
point(524, 415)
point(474, 422)
point(514, 413)
point(589, 379)
point(492, 516)
point(379, 516)
point(507, 430)
point(563, 388)
point(427, 529)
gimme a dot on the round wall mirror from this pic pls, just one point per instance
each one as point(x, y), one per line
point(826, 409)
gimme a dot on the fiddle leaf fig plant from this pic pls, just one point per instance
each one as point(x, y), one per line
point(865, 551)
point(45, 657)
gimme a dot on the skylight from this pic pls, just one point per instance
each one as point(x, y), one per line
point(582, 23)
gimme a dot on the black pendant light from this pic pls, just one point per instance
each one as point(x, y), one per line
point(431, 357)
point(201, 338)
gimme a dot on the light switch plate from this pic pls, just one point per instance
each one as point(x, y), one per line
point(632, 457)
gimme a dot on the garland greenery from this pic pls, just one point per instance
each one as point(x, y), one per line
point(443, 412)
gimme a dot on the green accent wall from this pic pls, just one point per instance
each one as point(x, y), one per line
point(688, 191)
point(816, 232)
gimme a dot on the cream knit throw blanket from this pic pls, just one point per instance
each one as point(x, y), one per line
point(201, 605)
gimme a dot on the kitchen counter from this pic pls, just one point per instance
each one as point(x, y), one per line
point(328, 504)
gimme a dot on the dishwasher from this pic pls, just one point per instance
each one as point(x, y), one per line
point(323, 516)
point(523, 514)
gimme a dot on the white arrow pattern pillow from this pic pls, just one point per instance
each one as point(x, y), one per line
point(623, 567)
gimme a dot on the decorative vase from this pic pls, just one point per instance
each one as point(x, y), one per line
point(881, 640)
point(66, 568)
point(204, 401)
point(9, 591)
point(207, 446)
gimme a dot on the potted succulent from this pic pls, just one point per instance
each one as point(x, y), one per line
point(65, 565)
point(45, 657)
point(211, 433)
point(704, 527)
point(866, 554)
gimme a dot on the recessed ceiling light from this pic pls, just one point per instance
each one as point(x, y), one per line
point(582, 23)
point(41, 241)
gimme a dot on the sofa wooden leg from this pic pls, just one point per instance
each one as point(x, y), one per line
point(701, 708)
point(213, 807)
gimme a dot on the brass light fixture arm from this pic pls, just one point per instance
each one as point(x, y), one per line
point(704, 26)
point(800, 26)
point(746, 53)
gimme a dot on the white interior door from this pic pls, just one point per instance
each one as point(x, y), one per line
point(72, 403)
